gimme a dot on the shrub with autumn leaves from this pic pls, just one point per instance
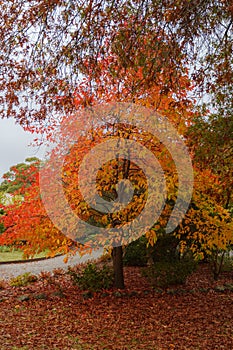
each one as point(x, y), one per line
point(207, 228)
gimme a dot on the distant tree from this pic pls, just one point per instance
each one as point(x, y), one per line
point(20, 177)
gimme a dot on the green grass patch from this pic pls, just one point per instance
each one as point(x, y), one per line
point(8, 254)
point(23, 280)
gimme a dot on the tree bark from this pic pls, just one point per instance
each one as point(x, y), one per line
point(117, 257)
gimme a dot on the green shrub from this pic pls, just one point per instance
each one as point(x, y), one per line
point(164, 274)
point(136, 253)
point(2, 227)
point(165, 249)
point(93, 278)
point(5, 249)
point(227, 264)
point(220, 261)
point(23, 280)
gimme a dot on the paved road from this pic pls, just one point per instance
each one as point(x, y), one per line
point(35, 267)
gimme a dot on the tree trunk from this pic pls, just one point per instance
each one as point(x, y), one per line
point(117, 257)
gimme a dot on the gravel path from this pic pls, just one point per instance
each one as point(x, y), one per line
point(8, 271)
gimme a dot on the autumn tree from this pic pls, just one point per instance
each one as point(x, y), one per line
point(207, 229)
point(15, 184)
point(210, 139)
point(115, 153)
point(20, 176)
point(108, 79)
point(44, 221)
point(23, 216)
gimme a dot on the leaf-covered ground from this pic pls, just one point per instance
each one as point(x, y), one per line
point(52, 313)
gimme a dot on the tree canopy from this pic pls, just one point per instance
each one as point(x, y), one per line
point(49, 47)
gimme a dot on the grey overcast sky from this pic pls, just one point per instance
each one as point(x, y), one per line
point(14, 145)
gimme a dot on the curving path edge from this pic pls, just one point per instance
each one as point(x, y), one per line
point(8, 271)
